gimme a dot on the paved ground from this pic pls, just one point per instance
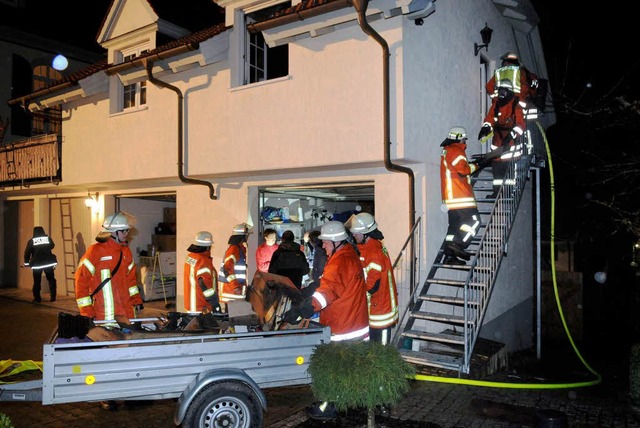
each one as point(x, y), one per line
point(503, 400)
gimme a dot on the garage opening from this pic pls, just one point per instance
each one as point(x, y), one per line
point(302, 208)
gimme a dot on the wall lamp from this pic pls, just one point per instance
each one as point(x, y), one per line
point(91, 201)
point(485, 33)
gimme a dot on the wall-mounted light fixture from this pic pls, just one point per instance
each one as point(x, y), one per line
point(91, 201)
point(485, 33)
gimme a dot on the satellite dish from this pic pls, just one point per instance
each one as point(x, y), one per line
point(60, 62)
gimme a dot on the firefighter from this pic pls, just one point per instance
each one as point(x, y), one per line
point(232, 277)
point(38, 256)
point(458, 198)
point(382, 293)
point(105, 281)
point(340, 298)
point(506, 124)
point(200, 277)
point(525, 83)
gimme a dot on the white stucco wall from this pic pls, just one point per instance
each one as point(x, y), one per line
point(323, 122)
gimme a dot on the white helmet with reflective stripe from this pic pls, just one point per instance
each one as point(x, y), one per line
point(241, 229)
point(333, 231)
point(203, 239)
point(115, 222)
point(362, 223)
point(457, 133)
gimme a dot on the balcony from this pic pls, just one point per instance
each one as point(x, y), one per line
point(29, 161)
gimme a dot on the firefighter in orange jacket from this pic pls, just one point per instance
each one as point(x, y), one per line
point(232, 277)
point(109, 264)
point(505, 122)
point(341, 296)
point(457, 195)
point(382, 293)
point(200, 277)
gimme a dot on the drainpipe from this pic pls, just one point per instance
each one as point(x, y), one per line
point(361, 8)
point(148, 64)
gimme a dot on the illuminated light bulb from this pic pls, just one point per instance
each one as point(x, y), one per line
point(60, 62)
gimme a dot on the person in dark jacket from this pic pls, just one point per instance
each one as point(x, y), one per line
point(318, 258)
point(288, 260)
point(39, 258)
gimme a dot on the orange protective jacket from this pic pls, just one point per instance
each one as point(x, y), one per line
point(382, 294)
point(119, 294)
point(455, 177)
point(504, 119)
point(341, 296)
point(233, 283)
point(196, 266)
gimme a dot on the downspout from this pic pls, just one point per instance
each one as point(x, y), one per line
point(148, 64)
point(361, 8)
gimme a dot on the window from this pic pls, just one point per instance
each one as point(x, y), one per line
point(261, 61)
point(47, 121)
point(134, 95)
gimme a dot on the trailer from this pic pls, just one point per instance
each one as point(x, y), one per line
point(217, 378)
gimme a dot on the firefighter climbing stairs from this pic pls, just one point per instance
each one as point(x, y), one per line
point(441, 325)
point(68, 251)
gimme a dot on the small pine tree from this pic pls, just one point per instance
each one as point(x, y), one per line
point(355, 375)
point(5, 422)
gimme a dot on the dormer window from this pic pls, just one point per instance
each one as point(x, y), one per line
point(134, 95)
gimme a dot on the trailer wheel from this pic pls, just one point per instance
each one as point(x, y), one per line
point(224, 405)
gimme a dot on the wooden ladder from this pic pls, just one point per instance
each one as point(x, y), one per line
point(68, 251)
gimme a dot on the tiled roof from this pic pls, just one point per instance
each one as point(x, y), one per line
point(304, 5)
point(72, 79)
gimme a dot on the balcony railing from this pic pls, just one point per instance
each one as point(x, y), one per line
point(30, 161)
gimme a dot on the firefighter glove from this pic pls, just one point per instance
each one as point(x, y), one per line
point(484, 131)
point(138, 308)
point(299, 312)
point(214, 302)
point(482, 162)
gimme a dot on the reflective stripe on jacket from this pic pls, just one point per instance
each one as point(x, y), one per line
point(455, 177)
point(383, 303)
point(233, 274)
point(119, 294)
point(341, 296)
point(199, 265)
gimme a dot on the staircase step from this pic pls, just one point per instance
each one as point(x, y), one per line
point(454, 282)
point(435, 337)
point(430, 359)
point(452, 300)
point(434, 316)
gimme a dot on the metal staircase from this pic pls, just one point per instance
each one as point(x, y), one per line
point(444, 315)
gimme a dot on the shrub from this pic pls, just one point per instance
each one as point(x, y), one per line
point(359, 374)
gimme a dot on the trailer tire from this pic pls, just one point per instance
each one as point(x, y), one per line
point(224, 404)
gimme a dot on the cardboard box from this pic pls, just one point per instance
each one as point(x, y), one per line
point(169, 215)
point(164, 243)
point(167, 263)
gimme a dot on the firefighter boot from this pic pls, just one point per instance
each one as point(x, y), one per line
point(322, 411)
point(454, 249)
point(452, 260)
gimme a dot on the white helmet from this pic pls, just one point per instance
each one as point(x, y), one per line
point(203, 239)
point(333, 231)
point(457, 133)
point(115, 222)
point(240, 229)
point(362, 223)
